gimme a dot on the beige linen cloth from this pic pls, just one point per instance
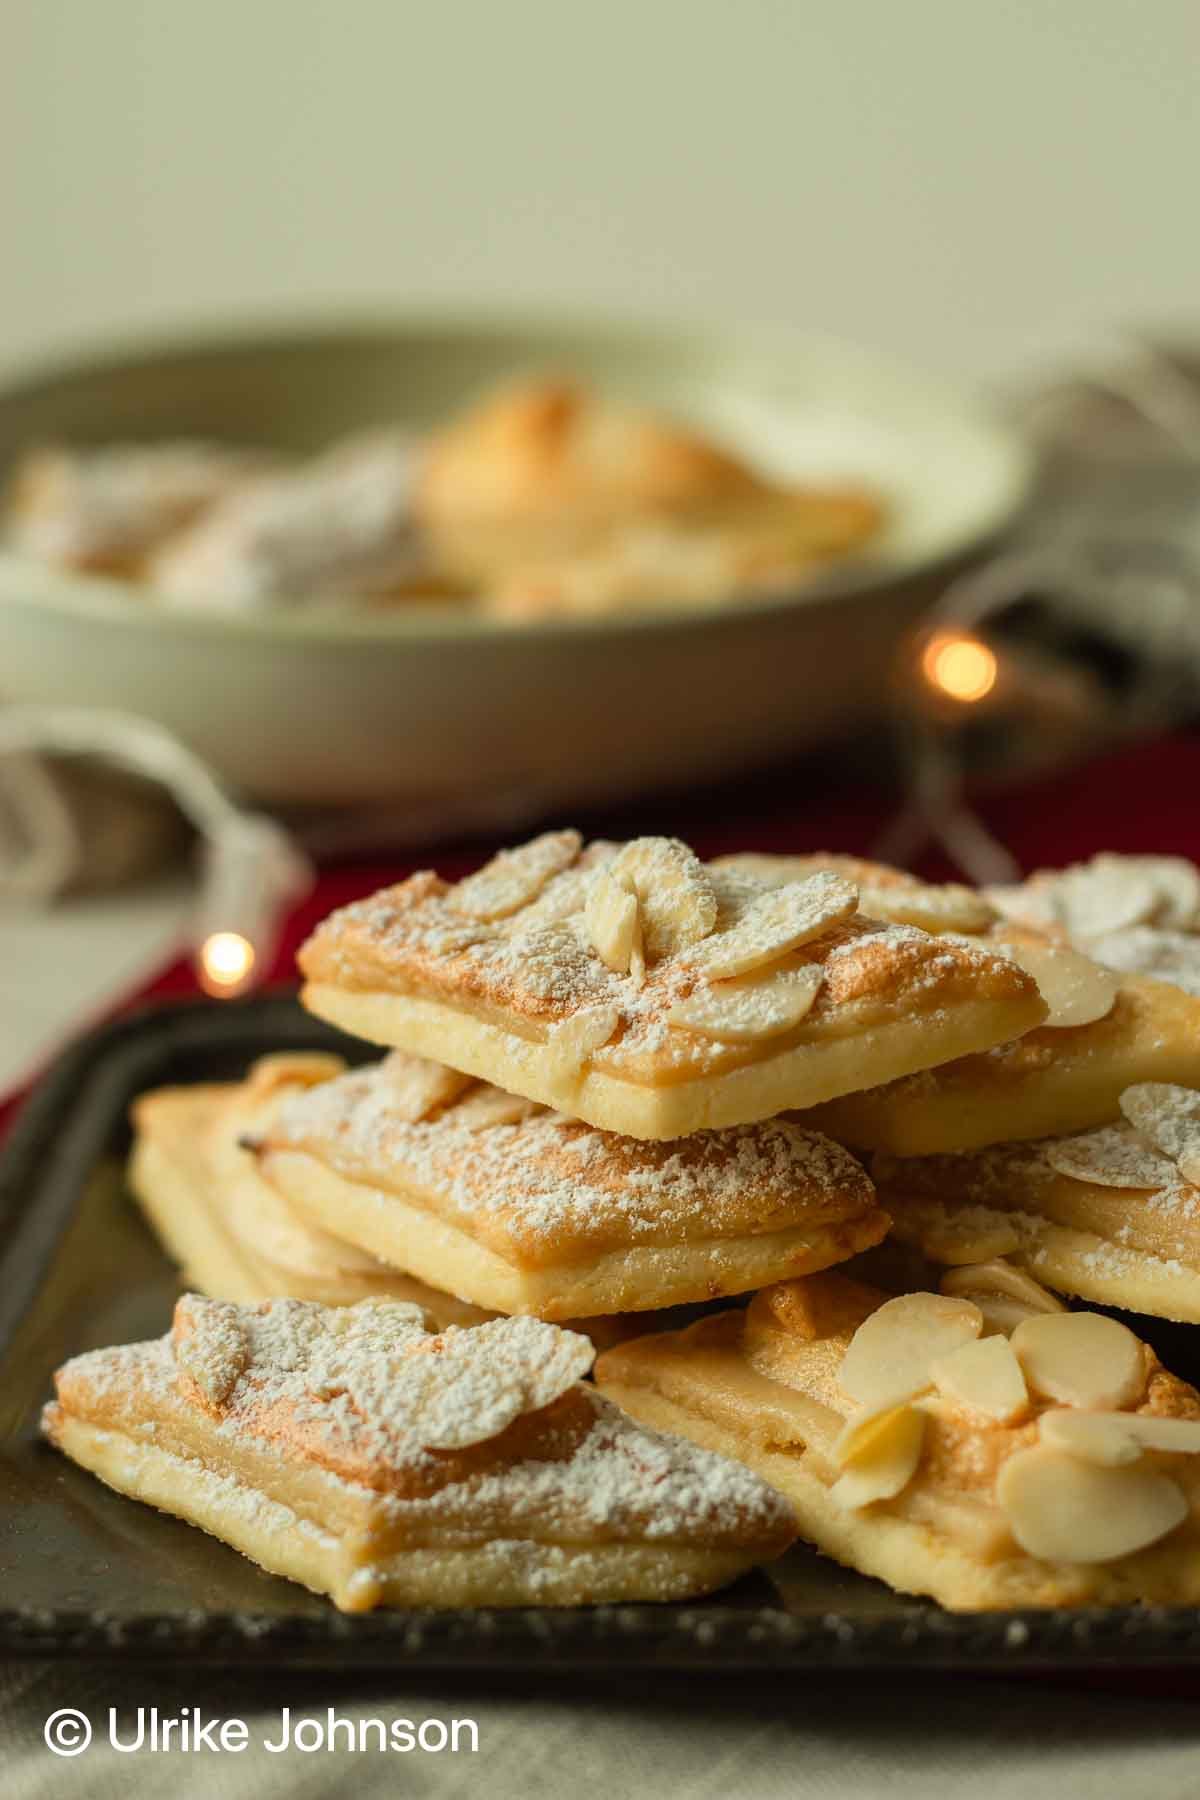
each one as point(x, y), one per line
point(847, 1737)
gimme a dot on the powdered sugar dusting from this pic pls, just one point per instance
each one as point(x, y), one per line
point(370, 1379)
point(1114, 1156)
point(538, 966)
point(548, 1178)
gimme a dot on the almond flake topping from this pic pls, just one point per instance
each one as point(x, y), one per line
point(1169, 1116)
point(949, 907)
point(572, 1041)
point(1081, 1359)
point(967, 1236)
point(1066, 1510)
point(985, 1377)
point(676, 899)
point(211, 1345)
point(1094, 1437)
point(1110, 894)
point(1076, 989)
point(879, 1455)
point(466, 1386)
point(486, 1106)
point(776, 923)
point(1115, 1156)
point(614, 924)
point(758, 1007)
point(416, 1086)
point(1172, 956)
point(890, 1356)
point(513, 878)
point(1000, 1278)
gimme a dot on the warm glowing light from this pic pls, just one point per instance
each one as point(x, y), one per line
point(226, 961)
point(961, 667)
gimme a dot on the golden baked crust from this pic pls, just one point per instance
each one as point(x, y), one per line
point(526, 999)
point(1047, 1082)
point(765, 1385)
point(351, 1450)
point(525, 1210)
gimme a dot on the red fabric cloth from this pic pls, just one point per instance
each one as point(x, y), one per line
point(1142, 799)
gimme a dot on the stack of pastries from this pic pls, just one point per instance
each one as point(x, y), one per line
point(809, 1151)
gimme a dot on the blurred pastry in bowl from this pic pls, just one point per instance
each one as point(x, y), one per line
point(341, 524)
point(105, 509)
point(558, 500)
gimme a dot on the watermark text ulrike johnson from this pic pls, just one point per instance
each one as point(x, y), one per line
point(69, 1732)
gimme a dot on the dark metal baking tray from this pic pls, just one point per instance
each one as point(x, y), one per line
point(86, 1572)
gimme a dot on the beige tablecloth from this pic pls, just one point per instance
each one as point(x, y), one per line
point(864, 1738)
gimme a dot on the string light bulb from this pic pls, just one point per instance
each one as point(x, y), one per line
point(225, 964)
point(960, 667)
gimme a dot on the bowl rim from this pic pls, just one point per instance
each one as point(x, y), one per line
point(25, 581)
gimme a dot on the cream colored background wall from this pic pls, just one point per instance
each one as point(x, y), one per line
point(967, 183)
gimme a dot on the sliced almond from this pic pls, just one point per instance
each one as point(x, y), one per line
point(1081, 1359)
point(889, 1357)
point(1002, 1314)
point(966, 1236)
point(1169, 1116)
point(950, 907)
point(879, 1456)
point(416, 1086)
point(676, 899)
point(293, 1068)
point(211, 1345)
point(1115, 1156)
point(1174, 880)
point(776, 922)
point(515, 877)
point(1077, 990)
point(998, 1277)
point(1171, 956)
point(1063, 1509)
point(573, 1040)
point(1106, 895)
point(985, 1377)
point(487, 1106)
point(520, 1366)
point(611, 916)
point(1180, 1437)
point(760, 1006)
point(1095, 1437)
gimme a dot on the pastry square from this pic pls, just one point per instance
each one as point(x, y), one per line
point(1108, 1215)
point(1054, 1079)
point(234, 1235)
point(638, 990)
point(526, 1211)
point(353, 1451)
point(922, 1444)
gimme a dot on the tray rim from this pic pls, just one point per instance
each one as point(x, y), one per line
point(702, 1636)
